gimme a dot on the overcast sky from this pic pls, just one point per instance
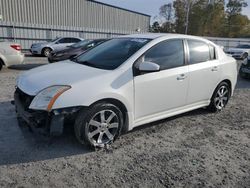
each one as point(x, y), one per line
point(151, 7)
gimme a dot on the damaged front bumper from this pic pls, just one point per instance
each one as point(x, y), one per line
point(50, 123)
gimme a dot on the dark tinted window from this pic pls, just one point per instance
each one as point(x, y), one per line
point(167, 54)
point(65, 40)
point(111, 54)
point(62, 41)
point(75, 40)
point(69, 40)
point(199, 51)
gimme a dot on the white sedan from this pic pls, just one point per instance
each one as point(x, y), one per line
point(124, 83)
point(10, 54)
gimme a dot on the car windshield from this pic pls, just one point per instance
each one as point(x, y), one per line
point(245, 46)
point(111, 54)
point(81, 43)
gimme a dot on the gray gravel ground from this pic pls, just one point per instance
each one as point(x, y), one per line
point(196, 149)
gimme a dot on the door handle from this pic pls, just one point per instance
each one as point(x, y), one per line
point(214, 69)
point(181, 77)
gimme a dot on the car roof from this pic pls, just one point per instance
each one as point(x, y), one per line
point(162, 35)
point(69, 37)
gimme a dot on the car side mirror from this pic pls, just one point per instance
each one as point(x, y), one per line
point(148, 66)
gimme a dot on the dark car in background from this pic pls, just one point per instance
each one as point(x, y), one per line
point(245, 69)
point(74, 50)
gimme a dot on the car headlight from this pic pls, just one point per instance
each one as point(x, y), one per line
point(46, 98)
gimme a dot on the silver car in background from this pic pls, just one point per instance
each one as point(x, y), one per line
point(240, 52)
point(10, 54)
point(54, 45)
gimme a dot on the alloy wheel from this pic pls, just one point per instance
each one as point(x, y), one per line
point(221, 97)
point(102, 127)
point(47, 52)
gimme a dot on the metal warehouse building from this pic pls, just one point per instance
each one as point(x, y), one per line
point(29, 21)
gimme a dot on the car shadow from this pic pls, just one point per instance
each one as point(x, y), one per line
point(19, 145)
point(26, 66)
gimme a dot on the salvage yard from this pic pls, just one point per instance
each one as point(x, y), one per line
point(196, 149)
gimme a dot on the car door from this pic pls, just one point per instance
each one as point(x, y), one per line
point(204, 71)
point(161, 91)
point(60, 44)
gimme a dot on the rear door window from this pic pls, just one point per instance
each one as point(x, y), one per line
point(74, 40)
point(198, 51)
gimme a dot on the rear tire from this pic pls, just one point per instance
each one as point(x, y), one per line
point(99, 125)
point(220, 97)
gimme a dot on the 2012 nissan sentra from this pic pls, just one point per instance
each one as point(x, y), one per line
point(124, 83)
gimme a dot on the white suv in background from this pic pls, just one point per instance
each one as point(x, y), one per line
point(10, 54)
point(126, 82)
point(54, 45)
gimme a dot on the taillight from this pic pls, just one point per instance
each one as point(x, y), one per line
point(16, 47)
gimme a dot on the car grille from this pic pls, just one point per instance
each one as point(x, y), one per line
point(24, 98)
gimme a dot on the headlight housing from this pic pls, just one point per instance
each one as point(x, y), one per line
point(46, 98)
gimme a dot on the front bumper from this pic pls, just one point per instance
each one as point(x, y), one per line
point(50, 123)
point(36, 50)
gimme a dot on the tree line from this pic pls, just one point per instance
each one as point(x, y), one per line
point(215, 18)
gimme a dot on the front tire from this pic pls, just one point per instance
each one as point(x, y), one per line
point(46, 52)
point(99, 125)
point(220, 97)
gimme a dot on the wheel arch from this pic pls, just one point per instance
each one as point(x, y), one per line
point(120, 105)
point(228, 82)
point(2, 61)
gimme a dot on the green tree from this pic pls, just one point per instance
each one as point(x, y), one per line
point(205, 18)
point(155, 28)
point(166, 11)
point(180, 15)
point(235, 21)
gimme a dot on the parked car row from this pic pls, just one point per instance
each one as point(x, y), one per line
point(10, 54)
point(73, 50)
point(126, 82)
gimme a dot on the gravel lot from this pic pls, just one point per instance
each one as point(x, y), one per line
point(196, 149)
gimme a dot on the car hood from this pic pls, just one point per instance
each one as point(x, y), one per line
point(62, 73)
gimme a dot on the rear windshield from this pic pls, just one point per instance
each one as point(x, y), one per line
point(111, 54)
